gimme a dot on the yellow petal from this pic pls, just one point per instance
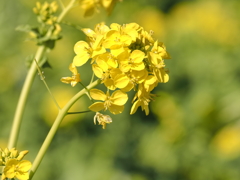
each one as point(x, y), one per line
point(119, 98)
point(112, 62)
point(115, 109)
point(138, 67)
point(98, 51)
point(135, 106)
point(9, 170)
point(79, 60)
point(24, 165)
point(66, 80)
point(98, 94)
point(115, 26)
point(89, 32)
point(121, 81)
point(128, 88)
point(22, 175)
point(161, 75)
point(97, 70)
point(137, 55)
point(81, 46)
point(73, 68)
point(126, 40)
point(97, 106)
point(109, 83)
point(102, 64)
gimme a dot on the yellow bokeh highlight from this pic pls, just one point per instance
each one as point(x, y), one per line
point(152, 19)
point(62, 95)
point(209, 19)
point(226, 142)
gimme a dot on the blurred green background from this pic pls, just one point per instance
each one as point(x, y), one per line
point(193, 130)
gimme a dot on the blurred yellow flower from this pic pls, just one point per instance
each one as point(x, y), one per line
point(7, 154)
point(114, 103)
point(16, 169)
point(62, 94)
point(75, 77)
point(217, 23)
point(92, 6)
point(46, 11)
point(226, 142)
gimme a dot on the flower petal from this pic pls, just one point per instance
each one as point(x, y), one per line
point(24, 165)
point(97, 106)
point(98, 94)
point(119, 98)
point(79, 60)
point(22, 175)
point(137, 55)
point(121, 81)
point(80, 47)
point(135, 106)
point(115, 109)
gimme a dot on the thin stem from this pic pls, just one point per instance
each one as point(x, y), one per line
point(28, 83)
point(78, 112)
point(87, 93)
point(23, 98)
point(61, 114)
point(61, 4)
point(65, 10)
point(92, 77)
point(43, 79)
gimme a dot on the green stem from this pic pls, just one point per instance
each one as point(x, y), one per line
point(28, 83)
point(65, 10)
point(61, 114)
point(42, 78)
point(23, 98)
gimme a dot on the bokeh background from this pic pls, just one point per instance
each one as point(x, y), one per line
point(193, 130)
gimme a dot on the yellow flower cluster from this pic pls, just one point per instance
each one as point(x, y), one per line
point(125, 57)
point(91, 6)
point(45, 12)
point(13, 165)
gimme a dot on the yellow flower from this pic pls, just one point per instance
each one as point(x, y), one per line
point(96, 36)
point(124, 57)
point(75, 77)
point(142, 98)
point(6, 154)
point(158, 68)
point(16, 169)
point(102, 119)
point(130, 29)
point(116, 41)
point(150, 83)
point(109, 4)
point(114, 103)
point(84, 52)
point(131, 61)
point(89, 7)
point(46, 12)
point(135, 78)
point(111, 77)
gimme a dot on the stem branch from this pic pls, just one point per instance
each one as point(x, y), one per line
point(28, 83)
point(23, 98)
point(61, 114)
